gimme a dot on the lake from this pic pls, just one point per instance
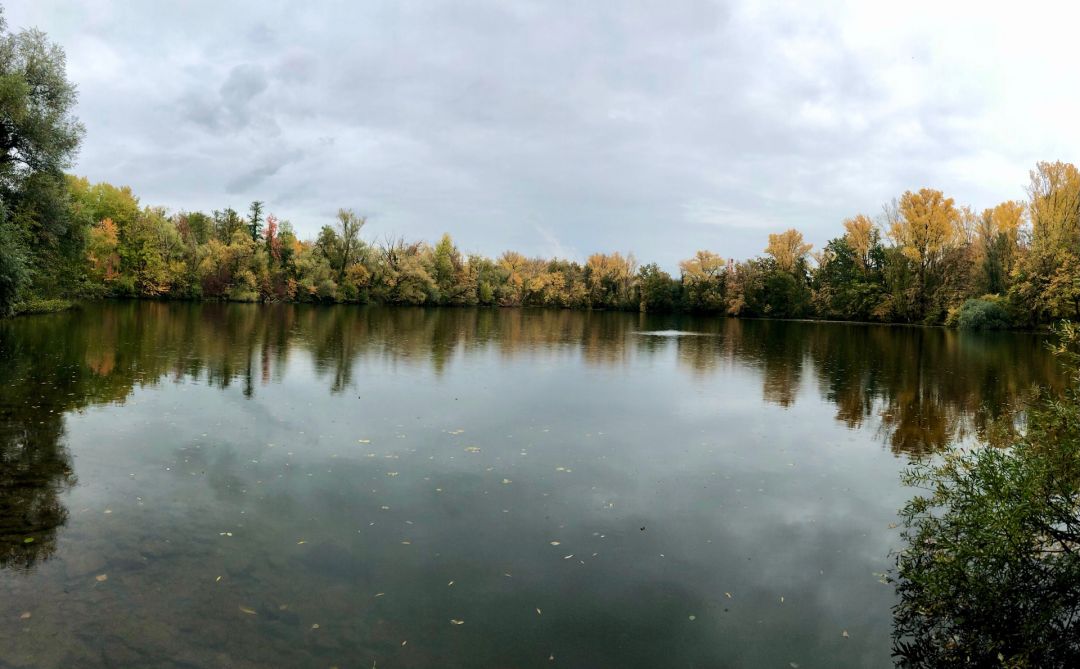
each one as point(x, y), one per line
point(210, 485)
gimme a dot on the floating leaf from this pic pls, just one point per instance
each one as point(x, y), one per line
point(25, 616)
point(472, 449)
point(28, 540)
point(505, 481)
point(455, 621)
point(555, 543)
point(538, 612)
point(845, 634)
point(101, 577)
point(250, 612)
point(692, 618)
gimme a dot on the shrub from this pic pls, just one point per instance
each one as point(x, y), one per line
point(991, 572)
point(42, 306)
point(985, 313)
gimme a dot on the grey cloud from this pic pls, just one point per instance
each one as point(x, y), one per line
point(265, 168)
point(244, 84)
point(654, 127)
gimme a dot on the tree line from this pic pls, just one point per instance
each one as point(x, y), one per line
point(924, 259)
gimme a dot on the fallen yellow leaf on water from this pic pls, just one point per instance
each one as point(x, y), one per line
point(538, 612)
point(728, 595)
point(692, 618)
point(363, 441)
point(391, 473)
point(250, 612)
point(505, 481)
point(315, 626)
point(845, 634)
point(454, 621)
point(217, 579)
point(101, 577)
point(555, 543)
point(25, 615)
point(379, 594)
point(472, 449)
point(302, 541)
point(449, 584)
point(404, 642)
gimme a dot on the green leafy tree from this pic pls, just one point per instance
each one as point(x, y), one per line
point(39, 136)
point(255, 220)
point(657, 291)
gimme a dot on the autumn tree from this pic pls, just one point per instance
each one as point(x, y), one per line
point(1046, 283)
point(704, 281)
point(349, 225)
point(861, 236)
point(608, 278)
point(788, 250)
point(102, 252)
point(997, 242)
point(925, 228)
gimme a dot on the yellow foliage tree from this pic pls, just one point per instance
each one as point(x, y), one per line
point(102, 251)
point(788, 249)
point(860, 233)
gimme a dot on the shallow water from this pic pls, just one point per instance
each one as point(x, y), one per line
point(244, 486)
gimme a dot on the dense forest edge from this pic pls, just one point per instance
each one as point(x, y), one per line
point(924, 259)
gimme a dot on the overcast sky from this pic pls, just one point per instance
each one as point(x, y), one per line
point(563, 128)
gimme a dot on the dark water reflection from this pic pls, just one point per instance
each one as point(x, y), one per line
point(297, 486)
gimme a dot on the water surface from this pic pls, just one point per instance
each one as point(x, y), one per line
point(246, 486)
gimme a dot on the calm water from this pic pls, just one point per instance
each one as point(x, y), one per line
point(245, 486)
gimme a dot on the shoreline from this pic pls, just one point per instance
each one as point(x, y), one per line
point(37, 307)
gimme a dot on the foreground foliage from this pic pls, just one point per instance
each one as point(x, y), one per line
point(991, 574)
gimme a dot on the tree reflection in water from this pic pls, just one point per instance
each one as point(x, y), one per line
point(920, 389)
